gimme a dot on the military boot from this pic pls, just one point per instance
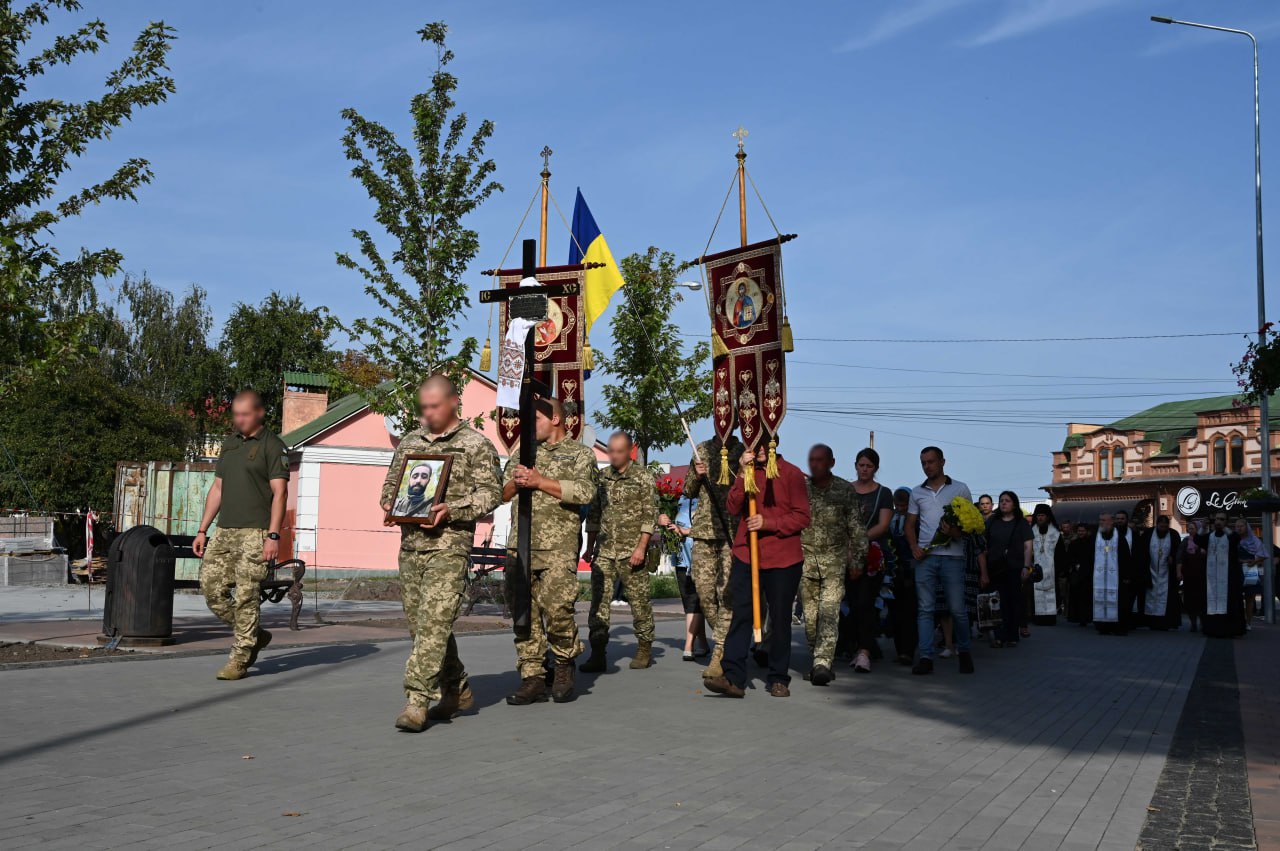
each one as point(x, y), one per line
point(562, 689)
point(598, 662)
point(532, 690)
point(713, 667)
point(264, 638)
point(233, 670)
point(451, 703)
point(642, 659)
point(413, 719)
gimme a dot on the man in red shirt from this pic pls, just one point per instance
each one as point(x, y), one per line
point(782, 506)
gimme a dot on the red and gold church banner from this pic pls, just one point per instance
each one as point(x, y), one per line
point(749, 383)
point(558, 343)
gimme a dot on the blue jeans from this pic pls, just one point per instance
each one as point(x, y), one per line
point(948, 572)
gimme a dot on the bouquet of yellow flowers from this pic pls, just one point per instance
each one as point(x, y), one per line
point(962, 514)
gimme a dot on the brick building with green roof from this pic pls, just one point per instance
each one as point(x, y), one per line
point(1155, 460)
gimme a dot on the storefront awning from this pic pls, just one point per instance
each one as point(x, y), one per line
point(1087, 510)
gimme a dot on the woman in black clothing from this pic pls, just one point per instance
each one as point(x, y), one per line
point(863, 590)
point(1006, 563)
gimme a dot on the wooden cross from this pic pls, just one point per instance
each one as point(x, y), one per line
point(526, 303)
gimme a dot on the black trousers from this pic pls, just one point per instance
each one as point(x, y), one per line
point(906, 631)
point(862, 594)
point(778, 586)
point(1012, 614)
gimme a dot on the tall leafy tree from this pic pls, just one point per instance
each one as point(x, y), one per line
point(261, 342)
point(43, 295)
point(648, 361)
point(422, 197)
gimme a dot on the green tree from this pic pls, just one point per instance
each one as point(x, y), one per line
point(648, 363)
point(65, 439)
point(422, 197)
point(42, 295)
point(261, 342)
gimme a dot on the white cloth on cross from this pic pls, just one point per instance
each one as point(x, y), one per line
point(511, 357)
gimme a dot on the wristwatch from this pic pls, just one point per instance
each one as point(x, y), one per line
point(273, 536)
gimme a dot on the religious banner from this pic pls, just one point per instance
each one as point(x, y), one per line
point(749, 385)
point(558, 344)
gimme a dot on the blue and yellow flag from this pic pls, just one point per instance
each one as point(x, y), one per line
point(587, 245)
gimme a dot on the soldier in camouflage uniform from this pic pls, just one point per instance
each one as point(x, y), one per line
point(250, 488)
point(433, 553)
point(834, 540)
point(621, 521)
point(563, 480)
point(712, 555)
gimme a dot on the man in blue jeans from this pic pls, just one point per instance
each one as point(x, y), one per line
point(937, 566)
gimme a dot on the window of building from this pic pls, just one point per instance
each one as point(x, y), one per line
point(1104, 464)
point(1237, 454)
point(1219, 457)
point(1117, 464)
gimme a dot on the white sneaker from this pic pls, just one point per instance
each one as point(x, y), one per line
point(946, 653)
point(617, 603)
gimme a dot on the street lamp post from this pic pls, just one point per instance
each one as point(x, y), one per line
point(1264, 432)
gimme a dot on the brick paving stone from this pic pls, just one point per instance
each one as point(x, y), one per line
point(1202, 796)
point(1057, 744)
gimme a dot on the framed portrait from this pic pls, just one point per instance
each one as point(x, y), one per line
point(423, 479)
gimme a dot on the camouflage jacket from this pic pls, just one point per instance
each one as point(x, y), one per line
point(557, 523)
point(625, 507)
point(836, 536)
point(705, 522)
point(473, 489)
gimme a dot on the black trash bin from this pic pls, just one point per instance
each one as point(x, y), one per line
point(139, 600)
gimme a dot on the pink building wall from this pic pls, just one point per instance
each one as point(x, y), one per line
point(343, 497)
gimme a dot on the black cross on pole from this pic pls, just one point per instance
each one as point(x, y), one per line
point(526, 303)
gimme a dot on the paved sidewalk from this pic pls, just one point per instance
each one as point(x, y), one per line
point(1258, 668)
point(1057, 744)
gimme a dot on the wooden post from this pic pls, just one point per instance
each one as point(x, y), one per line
point(522, 605)
point(753, 539)
point(546, 194)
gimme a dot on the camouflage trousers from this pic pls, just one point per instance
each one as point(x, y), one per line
point(229, 577)
point(710, 564)
point(604, 574)
point(554, 589)
point(821, 592)
point(432, 586)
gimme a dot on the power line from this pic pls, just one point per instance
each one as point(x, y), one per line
point(801, 416)
point(1022, 339)
point(988, 374)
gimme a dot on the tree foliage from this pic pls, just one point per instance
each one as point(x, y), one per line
point(43, 295)
point(422, 198)
point(648, 361)
point(261, 342)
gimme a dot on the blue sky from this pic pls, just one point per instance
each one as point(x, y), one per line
point(954, 168)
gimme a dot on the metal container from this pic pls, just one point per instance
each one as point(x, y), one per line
point(139, 600)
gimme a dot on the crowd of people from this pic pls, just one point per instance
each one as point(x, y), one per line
point(895, 564)
point(851, 559)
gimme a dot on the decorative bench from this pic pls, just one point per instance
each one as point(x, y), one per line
point(273, 589)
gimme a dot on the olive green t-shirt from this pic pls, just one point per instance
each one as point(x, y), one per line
point(246, 467)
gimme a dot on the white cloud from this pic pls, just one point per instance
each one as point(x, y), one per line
point(1024, 17)
point(904, 17)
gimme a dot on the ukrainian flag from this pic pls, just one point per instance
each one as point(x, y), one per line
point(588, 246)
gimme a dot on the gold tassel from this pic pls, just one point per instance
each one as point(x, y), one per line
point(718, 348)
point(486, 357)
point(788, 342)
point(771, 466)
point(588, 357)
point(749, 478)
point(723, 478)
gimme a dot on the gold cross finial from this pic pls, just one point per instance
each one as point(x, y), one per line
point(546, 153)
point(741, 135)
